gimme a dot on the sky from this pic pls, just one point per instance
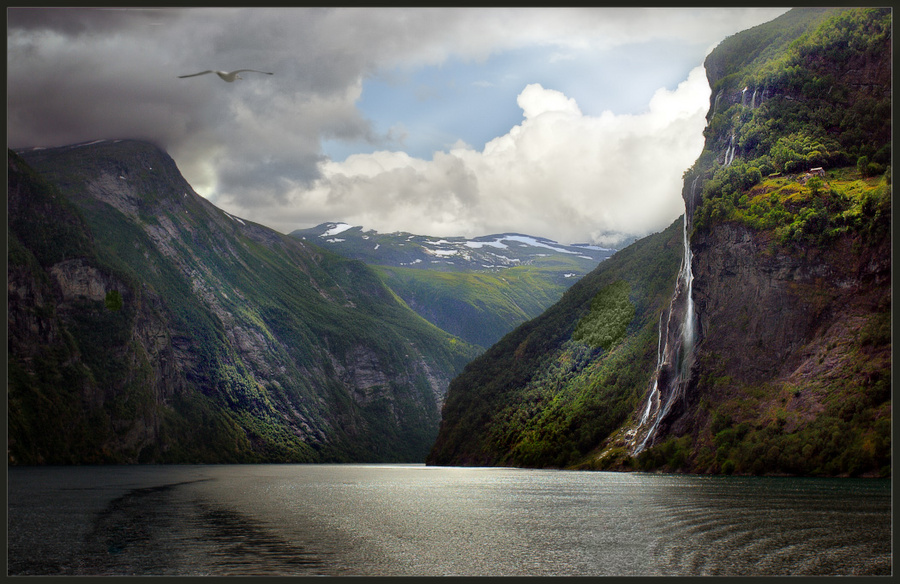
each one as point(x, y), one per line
point(574, 124)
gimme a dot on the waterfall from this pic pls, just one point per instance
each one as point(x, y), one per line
point(744, 96)
point(653, 398)
point(753, 99)
point(716, 103)
point(729, 152)
point(687, 275)
point(674, 349)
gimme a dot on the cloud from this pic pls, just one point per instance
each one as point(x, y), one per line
point(535, 100)
point(558, 174)
point(255, 147)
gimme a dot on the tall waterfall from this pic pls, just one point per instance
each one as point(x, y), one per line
point(753, 99)
point(675, 346)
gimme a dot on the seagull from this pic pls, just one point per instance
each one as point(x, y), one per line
point(226, 75)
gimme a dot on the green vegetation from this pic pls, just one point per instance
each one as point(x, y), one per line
point(113, 300)
point(476, 292)
point(479, 307)
point(541, 398)
point(611, 313)
point(814, 212)
point(215, 342)
point(818, 115)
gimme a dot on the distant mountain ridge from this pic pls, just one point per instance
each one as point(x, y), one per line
point(484, 253)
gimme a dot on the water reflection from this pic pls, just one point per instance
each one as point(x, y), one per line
point(774, 526)
point(415, 520)
point(158, 530)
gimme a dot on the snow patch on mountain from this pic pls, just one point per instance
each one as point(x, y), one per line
point(480, 244)
point(336, 228)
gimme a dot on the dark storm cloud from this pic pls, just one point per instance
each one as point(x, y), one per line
point(83, 74)
point(79, 21)
point(254, 147)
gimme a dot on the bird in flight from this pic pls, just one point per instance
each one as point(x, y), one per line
point(226, 75)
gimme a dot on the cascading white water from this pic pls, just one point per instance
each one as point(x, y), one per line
point(688, 331)
point(654, 393)
point(729, 152)
point(753, 99)
point(674, 354)
point(716, 104)
point(744, 96)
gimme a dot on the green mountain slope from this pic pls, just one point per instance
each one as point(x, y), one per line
point(157, 328)
point(475, 306)
point(477, 289)
point(788, 218)
point(547, 392)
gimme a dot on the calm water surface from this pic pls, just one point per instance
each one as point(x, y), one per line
point(417, 520)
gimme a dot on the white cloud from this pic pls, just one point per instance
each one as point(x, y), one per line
point(255, 147)
point(535, 100)
point(558, 174)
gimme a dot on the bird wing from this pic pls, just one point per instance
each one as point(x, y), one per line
point(253, 70)
point(195, 74)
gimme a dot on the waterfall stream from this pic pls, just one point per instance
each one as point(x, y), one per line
point(716, 104)
point(729, 152)
point(674, 351)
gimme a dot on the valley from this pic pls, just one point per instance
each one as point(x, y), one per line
point(478, 289)
point(750, 337)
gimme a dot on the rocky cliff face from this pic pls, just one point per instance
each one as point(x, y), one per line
point(784, 327)
point(151, 326)
point(791, 295)
point(773, 303)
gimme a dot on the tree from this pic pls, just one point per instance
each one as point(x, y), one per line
point(862, 165)
point(815, 185)
point(114, 300)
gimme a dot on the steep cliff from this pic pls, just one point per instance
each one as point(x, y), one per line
point(791, 256)
point(146, 325)
point(771, 352)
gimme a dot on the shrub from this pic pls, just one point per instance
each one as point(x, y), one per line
point(114, 300)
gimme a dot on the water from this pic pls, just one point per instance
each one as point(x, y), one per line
point(675, 354)
point(394, 520)
point(688, 333)
point(729, 152)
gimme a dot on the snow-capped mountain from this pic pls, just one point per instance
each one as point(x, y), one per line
point(486, 253)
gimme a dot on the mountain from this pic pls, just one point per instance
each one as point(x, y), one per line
point(146, 325)
point(772, 354)
point(477, 289)
point(489, 253)
point(559, 384)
